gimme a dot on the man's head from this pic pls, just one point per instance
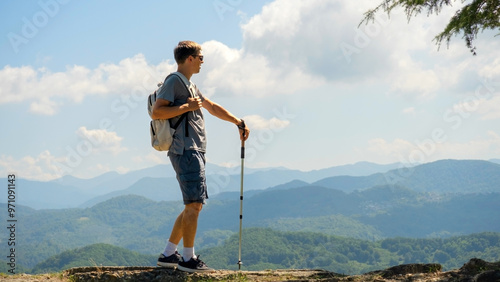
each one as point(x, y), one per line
point(188, 57)
point(185, 49)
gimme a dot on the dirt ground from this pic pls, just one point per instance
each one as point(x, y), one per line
point(474, 270)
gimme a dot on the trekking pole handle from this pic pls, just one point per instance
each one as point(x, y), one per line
point(242, 126)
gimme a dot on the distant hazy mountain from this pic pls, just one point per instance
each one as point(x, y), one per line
point(497, 161)
point(158, 189)
point(113, 181)
point(159, 182)
point(39, 195)
point(445, 176)
point(227, 180)
point(357, 169)
point(156, 183)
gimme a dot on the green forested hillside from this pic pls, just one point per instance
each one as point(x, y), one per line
point(440, 218)
point(94, 255)
point(270, 249)
point(391, 210)
point(142, 225)
point(339, 225)
point(131, 222)
point(5, 268)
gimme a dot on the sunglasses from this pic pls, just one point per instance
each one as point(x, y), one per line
point(200, 56)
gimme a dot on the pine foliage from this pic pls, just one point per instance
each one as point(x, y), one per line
point(473, 17)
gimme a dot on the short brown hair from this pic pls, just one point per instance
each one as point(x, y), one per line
point(185, 49)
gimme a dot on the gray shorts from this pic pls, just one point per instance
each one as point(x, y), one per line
point(190, 170)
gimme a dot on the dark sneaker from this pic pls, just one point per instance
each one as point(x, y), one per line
point(194, 265)
point(170, 261)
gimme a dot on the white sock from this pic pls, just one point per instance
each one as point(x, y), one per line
point(188, 253)
point(170, 249)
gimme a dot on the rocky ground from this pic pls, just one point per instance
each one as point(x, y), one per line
point(475, 270)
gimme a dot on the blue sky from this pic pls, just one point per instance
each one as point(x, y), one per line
point(316, 90)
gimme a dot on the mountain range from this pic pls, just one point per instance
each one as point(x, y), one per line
point(159, 182)
point(444, 176)
point(437, 200)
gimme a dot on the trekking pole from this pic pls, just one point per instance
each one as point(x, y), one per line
point(241, 189)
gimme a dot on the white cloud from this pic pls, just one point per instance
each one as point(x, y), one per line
point(42, 167)
point(379, 147)
point(411, 78)
point(300, 34)
point(290, 46)
point(491, 71)
point(44, 106)
point(409, 111)
point(122, 169)
point(46, 91)
point(258, 123)
point(153, 158)
point(282, 18)
point(46, 166)
point(489, 109)
point(322, 39)
point(14, 84)
point(101, 140)
point(423, 151)
point(242, 73)
point(484, 100)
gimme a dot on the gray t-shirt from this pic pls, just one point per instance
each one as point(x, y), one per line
point(174, 90)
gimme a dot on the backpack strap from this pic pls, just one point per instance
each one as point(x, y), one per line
point(179, 121)
point(186, 131)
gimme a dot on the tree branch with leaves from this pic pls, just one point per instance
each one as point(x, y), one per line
point(473, 17)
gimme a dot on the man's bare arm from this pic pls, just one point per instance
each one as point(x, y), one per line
point(163, 110)
point(220, 112)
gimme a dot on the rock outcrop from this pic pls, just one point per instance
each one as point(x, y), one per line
point(476, 270)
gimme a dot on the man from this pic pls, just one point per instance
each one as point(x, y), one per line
point(187, 153)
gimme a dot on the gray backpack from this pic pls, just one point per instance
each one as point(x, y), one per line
point(161, 131)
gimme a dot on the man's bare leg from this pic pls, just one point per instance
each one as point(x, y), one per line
point(176, 235)
point(185, 225)
point(189, 227)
